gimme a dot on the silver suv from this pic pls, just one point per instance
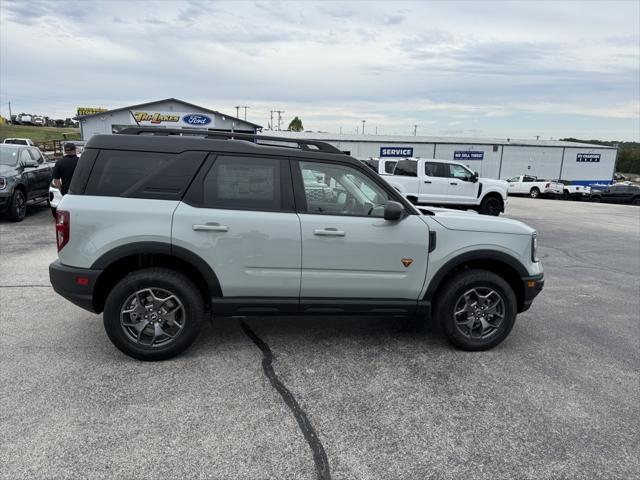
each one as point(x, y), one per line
point(162, 229)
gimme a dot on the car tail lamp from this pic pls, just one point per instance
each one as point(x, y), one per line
point(63, 228)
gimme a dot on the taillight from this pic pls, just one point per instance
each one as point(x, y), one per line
point(62, 228)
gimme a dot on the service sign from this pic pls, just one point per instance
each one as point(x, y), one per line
point(468, 155)
point(396, 151)
point(588, 157)
point(173, 119)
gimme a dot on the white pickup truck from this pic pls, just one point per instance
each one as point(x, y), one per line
point(382, 166)
point(449, 184)
point(532, 186)
point(563, 189)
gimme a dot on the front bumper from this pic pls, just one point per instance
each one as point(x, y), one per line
point(5, 200)
point(74, 284)
point(532, 287)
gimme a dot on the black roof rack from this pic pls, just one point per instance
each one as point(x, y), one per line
point(308, 145)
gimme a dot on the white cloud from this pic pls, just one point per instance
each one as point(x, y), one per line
point(518, 65)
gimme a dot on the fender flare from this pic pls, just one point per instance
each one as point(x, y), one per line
point(161, 248)
point(466, 257)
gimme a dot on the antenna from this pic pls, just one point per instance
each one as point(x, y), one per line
point(279, 112)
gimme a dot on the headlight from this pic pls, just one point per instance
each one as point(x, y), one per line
point(534, 247)
point(3, 183)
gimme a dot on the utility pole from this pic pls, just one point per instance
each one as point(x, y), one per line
point(271, 119)
point(10, 119)
point(279, 112)
point(340, 130)
point(245, 111)
point(363, 122)
point(376, 130)
point(415, 130)
point(237, 107)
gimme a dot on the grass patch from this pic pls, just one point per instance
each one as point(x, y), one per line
point(37, 134)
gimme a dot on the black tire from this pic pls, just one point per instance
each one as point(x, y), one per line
point(535, 192)
point(635, 201)
point(17, 206)
point(491, 205)
point(454, 290)
point(53, 211)
point(596, 199)
point(566, 195)
point(156, 279)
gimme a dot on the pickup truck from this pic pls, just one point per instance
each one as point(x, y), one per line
point(563, 189)
point(532, 186)
point(19, 141)
point(448, 184)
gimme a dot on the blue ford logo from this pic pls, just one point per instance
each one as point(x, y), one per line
point(196, 119)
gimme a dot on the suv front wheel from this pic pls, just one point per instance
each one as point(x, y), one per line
point(477, 310)
point(153, 314)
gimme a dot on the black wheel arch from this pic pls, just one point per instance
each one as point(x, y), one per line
point(502, 264)
point(121, 261)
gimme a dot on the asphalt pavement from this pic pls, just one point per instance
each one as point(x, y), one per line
point(335, 397)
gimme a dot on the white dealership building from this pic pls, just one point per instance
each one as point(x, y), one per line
point(167, 113)
point(502, 158)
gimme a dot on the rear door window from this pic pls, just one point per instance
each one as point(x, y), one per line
point(248, 183)
point(436, 169)
point(406, 168)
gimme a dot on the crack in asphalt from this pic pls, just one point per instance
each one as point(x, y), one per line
point(319, 455)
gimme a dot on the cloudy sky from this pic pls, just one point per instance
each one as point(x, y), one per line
point(512, 69)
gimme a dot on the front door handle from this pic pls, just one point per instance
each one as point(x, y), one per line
point(427, 181)
point(453, 183)
point(328, 232)
point(210, 227)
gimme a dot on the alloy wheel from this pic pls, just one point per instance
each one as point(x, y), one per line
point(152, 317)
point(479, 312)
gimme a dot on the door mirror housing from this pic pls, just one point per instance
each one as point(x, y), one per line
point(29, 164)
point(393, 211)
point(474, 177)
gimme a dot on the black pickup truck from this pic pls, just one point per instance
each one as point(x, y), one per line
point(25, 175)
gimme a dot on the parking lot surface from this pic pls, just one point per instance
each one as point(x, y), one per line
point(383, 397)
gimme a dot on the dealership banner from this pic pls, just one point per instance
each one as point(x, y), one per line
point(588, 157)
point(173, 119)
point(80, 111)
point(468, 155)
point(396, 151)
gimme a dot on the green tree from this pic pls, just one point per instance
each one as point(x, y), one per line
point(296, 125)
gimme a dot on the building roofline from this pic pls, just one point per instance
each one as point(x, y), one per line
point(171, 99)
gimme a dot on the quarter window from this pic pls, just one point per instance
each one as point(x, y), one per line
point(332, 189)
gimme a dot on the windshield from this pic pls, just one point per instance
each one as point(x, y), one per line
point(9, 156)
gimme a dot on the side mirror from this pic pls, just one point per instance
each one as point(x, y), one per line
point(30, 164)
point(475, 176)
point(393, 211)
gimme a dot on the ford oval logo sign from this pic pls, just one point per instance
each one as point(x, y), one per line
point(196, 119)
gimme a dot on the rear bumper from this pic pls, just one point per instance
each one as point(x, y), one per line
point(74, 284)
point(532, 287)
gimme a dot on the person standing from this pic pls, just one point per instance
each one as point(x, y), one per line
point(63, 170)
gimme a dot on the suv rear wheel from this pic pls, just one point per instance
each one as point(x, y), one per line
point(477, 310)
point(17, 206)
point(153, 314)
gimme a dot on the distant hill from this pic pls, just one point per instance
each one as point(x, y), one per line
point(628, 153)
point(37, 134)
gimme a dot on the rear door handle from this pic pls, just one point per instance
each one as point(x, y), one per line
point(328, 232)
point(210, 227)
point(453, 183)
point(427, 181)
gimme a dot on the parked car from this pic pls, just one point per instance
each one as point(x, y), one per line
point(447, 183)
point(618, 193)
point(532, 186)
point(19, 141)
point(24, 178)
point(158, 232)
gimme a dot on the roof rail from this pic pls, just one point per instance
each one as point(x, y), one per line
point(309, 145)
